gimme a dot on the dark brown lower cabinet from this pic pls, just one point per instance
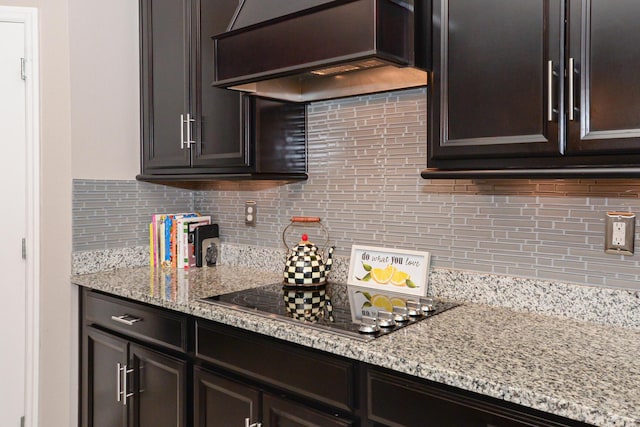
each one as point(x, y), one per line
point(134, 367)
point(126, 384)
point(159, 389)
point(396, 401)
point(283, 375)
point(144, 366)
point(222, 402)
point(102, 403)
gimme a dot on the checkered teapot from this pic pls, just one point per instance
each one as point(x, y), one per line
point(306, 265)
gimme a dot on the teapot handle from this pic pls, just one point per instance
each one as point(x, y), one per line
point(305, 219)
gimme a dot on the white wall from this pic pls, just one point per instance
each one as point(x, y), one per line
point(89, 129)
point(58, 390)
point(105, 107)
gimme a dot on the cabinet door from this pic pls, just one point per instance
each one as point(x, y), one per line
point(491, 81)
point(220, 402)
point(605, 49)
point(219, 113)
point(102, 354)
point(159, 386)
point(278, 412)
point(164, 38)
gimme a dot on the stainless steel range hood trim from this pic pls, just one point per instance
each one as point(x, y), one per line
point(298, 89)
point(390, 38)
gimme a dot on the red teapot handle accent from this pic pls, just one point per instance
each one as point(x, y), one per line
point(305, 219)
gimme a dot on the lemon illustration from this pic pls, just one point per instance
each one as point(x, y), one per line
point(383, 275)
point(381, 301)
point(398, 302)
point(399, 278)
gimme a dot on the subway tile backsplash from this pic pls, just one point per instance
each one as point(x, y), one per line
point(115, 214)
point(365, 157)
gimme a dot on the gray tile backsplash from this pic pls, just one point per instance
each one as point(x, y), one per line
point(365, 157)
point(115, 214)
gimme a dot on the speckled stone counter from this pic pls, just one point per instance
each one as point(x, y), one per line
point(579, 370)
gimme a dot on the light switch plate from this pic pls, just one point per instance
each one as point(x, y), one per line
point(619, 236)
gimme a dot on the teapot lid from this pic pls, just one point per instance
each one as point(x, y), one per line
point(306, 245)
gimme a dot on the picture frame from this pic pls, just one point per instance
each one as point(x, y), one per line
point(380, 278)
point(393, 270)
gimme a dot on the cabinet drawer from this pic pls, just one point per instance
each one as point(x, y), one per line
point(313, 374)
point(281, 412)
point(148, 324)
point(397, 402)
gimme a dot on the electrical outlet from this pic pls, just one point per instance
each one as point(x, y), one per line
point(619, 233)
point(250, 211)
point(619, 230)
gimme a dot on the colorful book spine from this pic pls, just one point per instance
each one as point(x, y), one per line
point(166, 245)
point(151, 246)
point(168, 221)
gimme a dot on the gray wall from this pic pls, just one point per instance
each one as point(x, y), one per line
point(365, 157)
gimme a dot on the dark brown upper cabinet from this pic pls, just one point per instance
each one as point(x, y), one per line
point(534, 88)
point(192, 131)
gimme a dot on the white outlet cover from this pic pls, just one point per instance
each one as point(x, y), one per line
point(619, 233)
point(617, 237)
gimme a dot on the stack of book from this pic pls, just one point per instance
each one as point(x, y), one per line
point(169, 241)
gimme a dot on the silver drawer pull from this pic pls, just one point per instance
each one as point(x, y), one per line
point(126, 319)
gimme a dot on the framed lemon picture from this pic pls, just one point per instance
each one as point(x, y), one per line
point(380, 278)
point(392, 270)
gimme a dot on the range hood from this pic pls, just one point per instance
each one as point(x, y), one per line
point(329, 49)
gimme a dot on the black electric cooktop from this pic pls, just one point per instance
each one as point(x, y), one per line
point(268, 301)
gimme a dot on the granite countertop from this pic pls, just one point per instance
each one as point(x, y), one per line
point(575, 369)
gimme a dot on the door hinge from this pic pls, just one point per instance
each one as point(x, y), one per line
point(24, 248)
point(23, 69)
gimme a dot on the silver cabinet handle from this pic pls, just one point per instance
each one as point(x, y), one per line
point(126, 319)
point(571, 90)
point(550, 91)
point(181, 131)
point(118, 381)
point(247, 421)
point(186, 121)
point(189, 141)
point(125, 394)
point(121, 383)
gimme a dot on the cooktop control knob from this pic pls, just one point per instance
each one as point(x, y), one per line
point(369, 325)
point(385, 319)
point(400, 314)
point(414, 308)
point(428, 305)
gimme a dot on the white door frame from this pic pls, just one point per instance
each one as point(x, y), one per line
point(29, 17)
